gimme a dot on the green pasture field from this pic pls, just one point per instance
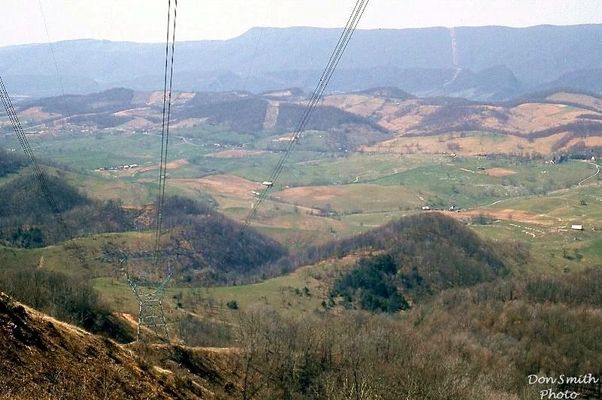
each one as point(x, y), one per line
point(465, 183)
point(302, 290)
point(364, 191)
point(578, 205)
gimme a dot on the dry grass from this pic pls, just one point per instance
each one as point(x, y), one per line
point(584, 99)
point(530, 117)
point(188, 123)
point(356, 104)
point(403, 117)
point(506, 214)
point(499, 172)
point(235, 153)
point(156, 98)
point(221, 185)
point(36, 113)
point(470, 145)
point(316, 193)
point(406, 122)
point(42, 358)
point(134, 171)
point(137, 123)
point(590, 141)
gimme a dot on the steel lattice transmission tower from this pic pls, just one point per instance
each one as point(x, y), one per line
point(150, 301)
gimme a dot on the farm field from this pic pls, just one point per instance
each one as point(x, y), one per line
point(325, 192)
point(220, 216)
point(321, 197)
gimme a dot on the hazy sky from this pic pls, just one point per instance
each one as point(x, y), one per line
point(143, 20)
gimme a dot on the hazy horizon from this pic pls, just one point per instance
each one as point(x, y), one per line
point(142, 22)
point(287, 27)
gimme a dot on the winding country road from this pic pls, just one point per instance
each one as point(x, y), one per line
point(591, 176)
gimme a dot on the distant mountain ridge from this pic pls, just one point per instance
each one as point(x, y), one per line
point(490, 63)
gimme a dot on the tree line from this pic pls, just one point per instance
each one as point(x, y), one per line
point(67, 298)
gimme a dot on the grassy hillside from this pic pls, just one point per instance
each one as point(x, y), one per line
point(379, 120)
point(517, 291)
point(342, 236)
point(501, 329)
point(210, 247)
point(412, 246)
point(428, 253)
point(429, 346)
point(543, 123)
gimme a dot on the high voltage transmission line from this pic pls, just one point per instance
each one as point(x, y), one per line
point(151, 306)
point(39, 174)
point(13, 117)
point(335, 57)
point(150, 303)
point(166, 116)
point(59, 78)
point(150, 297)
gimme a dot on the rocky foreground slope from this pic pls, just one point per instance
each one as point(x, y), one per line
point(42, 358)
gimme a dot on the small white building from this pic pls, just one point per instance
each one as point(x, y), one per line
point(577, 227)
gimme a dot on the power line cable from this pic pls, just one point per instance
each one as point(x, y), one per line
point(252, 64)
point(323, 83)
point(151, 313)
point(59, 78)
point(166, 118)
point(13, 117)
point(318, 93)
point(39, 174)
point(324, 79)
point(163, 120)
point(56, 66)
